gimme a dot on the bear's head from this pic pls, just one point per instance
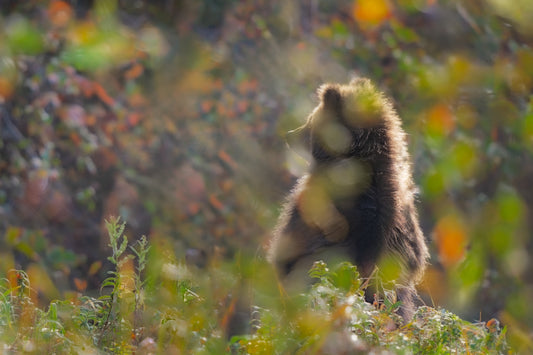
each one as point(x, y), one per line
point(346, 116)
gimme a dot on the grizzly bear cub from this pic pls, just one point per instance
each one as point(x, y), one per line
point(357, 201)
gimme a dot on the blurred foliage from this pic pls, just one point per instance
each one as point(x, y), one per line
point(172, 115)
point(170, 307)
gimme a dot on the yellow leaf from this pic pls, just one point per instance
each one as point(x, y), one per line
point(95, 267)
point(41, 283)
point(370, 13)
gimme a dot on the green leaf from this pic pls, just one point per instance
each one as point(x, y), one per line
point(23, 37)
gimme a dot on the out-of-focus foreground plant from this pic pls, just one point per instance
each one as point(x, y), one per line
point(170, 307)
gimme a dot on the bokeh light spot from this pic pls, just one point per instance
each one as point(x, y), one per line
point(369, 13)
point(451, 238)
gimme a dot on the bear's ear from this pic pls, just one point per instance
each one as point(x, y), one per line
point(330, 96)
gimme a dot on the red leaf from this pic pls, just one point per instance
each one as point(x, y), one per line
point(80, 284)
point(215, 202)
point(227, 159)
point(134, 72)
point(103, 95)
point(59, 13)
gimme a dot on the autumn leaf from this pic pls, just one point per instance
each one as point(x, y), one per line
point(80, 284)
point(13, 278)
point(6, 88)
point(103, 95)
point(95, 267)
point(451, 238)
point(134, 118)
point(59, 13)
point(134, 72)
point(440, 120)
point(227, 159)
point(12, 235)
point(228, 314)
point(83, 33)
point(371, 13)
point(215, 202)
point(41, 283)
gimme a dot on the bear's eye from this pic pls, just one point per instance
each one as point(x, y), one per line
point(334, 137)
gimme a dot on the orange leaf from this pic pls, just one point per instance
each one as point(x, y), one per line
point(134, 118)
point(215, 202)
point(440, 120)
point(492, 325)
point(6, 88)
point(103, 95)
point(451, 240)
point(227, 159)
point(13, 277)
point(369, 13)
point(134, 72)
point(230, 312)
point(80, 284)
point(59, 13)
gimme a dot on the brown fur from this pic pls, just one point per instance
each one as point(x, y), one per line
point(357, 201)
